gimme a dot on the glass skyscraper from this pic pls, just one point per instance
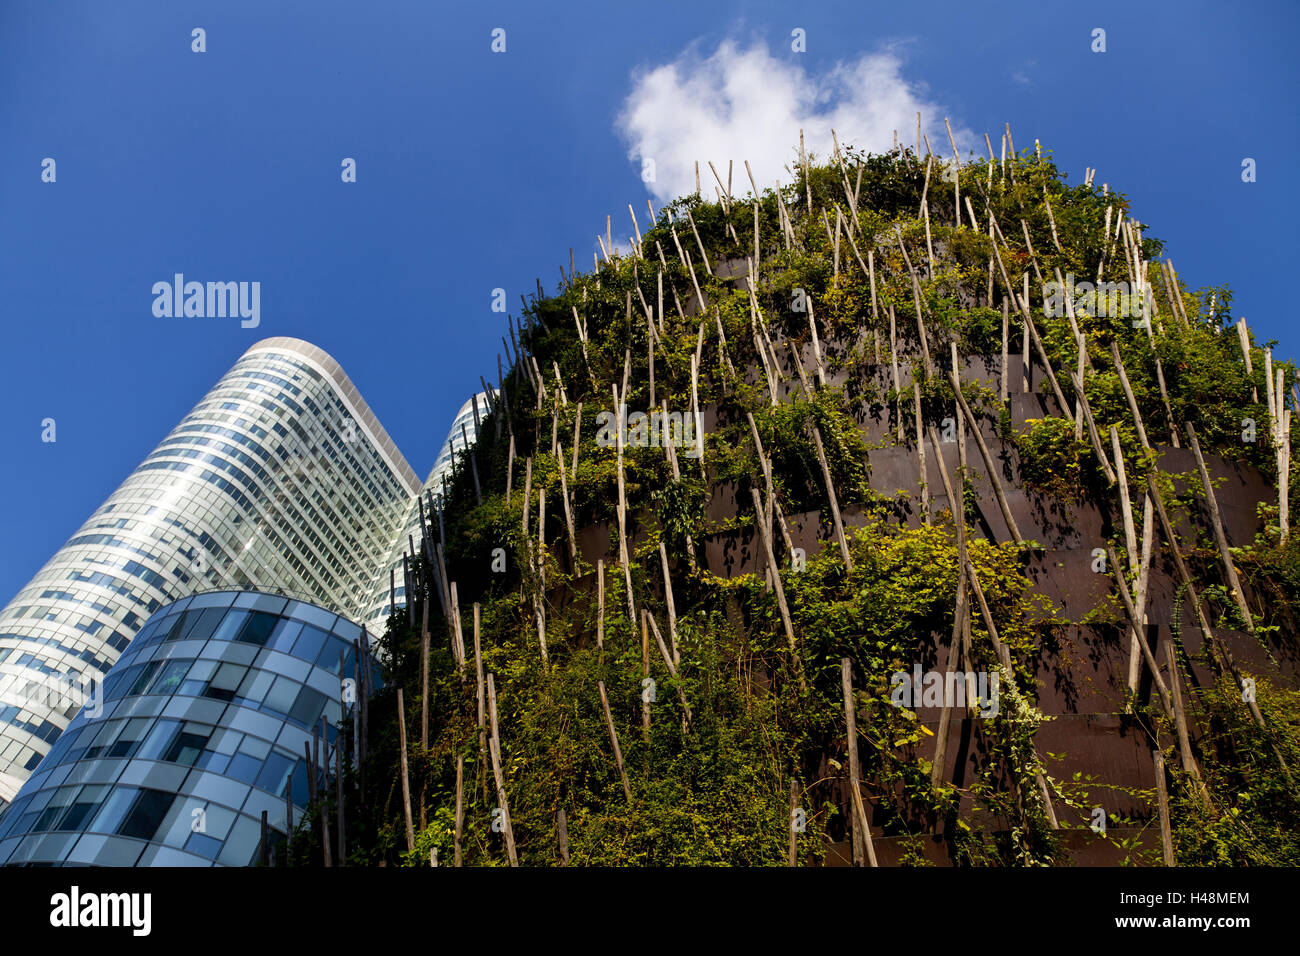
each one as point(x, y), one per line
point(281, 477)
point(462, 434)
point(203, 727)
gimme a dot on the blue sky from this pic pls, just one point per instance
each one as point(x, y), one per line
point(478, 170)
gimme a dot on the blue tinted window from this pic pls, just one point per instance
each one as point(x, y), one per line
point(147, 813)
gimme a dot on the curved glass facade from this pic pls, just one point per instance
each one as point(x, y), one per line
point(464, 426)
point(280, 477)
point(202, 726)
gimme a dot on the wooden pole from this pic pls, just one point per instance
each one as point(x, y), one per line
point(1162, 799)
point(406, 779)
point(1117, 572)
point(672, 669)
point(645, 673)
point(622, 505)
point(562, 833)
point(920, 453)
point(1180, 724)
point(861, 828)
point(568, 516)
point(1220, 536)
point(424, 677)
point(1129, 396)
point(460, 810)
point(1006, 355)
point(600, 603)
point(793, 853)
point(776, 575)
point(495, 746)
point(613, 739)
point(672, 607)
point(994, 479)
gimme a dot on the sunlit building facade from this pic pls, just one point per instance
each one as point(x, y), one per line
point(281, 477)
point(204, 726)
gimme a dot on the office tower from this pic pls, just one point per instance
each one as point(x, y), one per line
point(281, 476)
point(461, 436)
point(201, 728)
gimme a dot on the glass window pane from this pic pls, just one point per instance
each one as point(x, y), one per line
point(148, 812)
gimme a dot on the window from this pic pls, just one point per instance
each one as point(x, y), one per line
point(258, 628)
point(146, 814)
point(225, 681)
point(170, 677)
point(83, 807)
point(189, 743)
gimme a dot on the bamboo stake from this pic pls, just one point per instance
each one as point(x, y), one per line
point(672, 670)
point(1126, 506)
point(406, 779)
point(622, 506)
point(479, 689)
point(645, 674)
point(460, 809)
point(916, 298)
point(893, 362)
point(817, 348)
point(1180, 725)
point(1220, 536)
point(424, 678)
point(568, 515)
point(766, 465)
point(1162, 798)
point(1033, 334)
point(495, 745)
point(861, 828)
point(833, 499)
point(562, 833)
point(600, 602)
point(920, 453)
point(994, 478)
point(1003, 391)
point(613, 739)
point(1129, 396)
point(1085, 410)
point(458, 649)
point(792, 854)
point(672, 608)
point(1140, 598)
point(1117, 572)
point(776, 576)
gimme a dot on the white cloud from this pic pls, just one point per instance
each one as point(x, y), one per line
point(745, 104)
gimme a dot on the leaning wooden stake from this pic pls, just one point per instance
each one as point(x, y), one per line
point(460, 810)
point(766, 535)
point(613, 739)
point(672, 607)
point(1180, 724)
point(1162, 798)
point(495, 745)
point(672, 671)
point(622, 503)
point(994, 478)
point(920, 453)
point(861, 828)
point(1220, 537)
point(793, 853)
point(406, 779)
point(479, 691)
